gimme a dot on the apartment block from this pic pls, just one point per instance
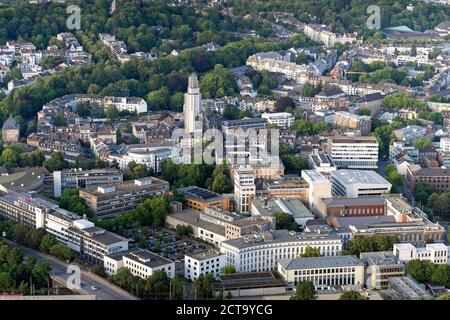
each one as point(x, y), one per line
point(202, 263)
point(353, 121)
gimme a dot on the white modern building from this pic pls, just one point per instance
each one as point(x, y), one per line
point(324, 272)
point(150, 155)
point(435, 252)
point(261, 251)
point(141, 263)
point(82, 236)
point(244, 188)
point(191, 108)
point(281, 119)
point(358, 183)
point(130, 104)
point(202, 263)
point(354, 152)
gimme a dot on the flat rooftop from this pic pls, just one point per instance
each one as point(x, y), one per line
point(358, 176)
point(294, 207)
point(204, 255)
point(379, 258)
point(147, 258)
point(369, 201)
point(342, 139)
point(200, 193)
point(192, 217)
point(131, 185)
point(278, 236)
point(320, 262)
point(250, 280)
point(314, 176)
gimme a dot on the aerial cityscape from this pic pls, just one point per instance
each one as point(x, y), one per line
point(225, 150)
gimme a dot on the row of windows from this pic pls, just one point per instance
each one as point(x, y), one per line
point(323, 271)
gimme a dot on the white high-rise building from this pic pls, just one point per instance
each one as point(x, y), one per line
point(244, 188)
point(191, 108)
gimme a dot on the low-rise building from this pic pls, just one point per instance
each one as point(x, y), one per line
point(141, 263)
point(293, 207)
point(353, 207)
point(281, 119)
point(358, 183)
point(380, 266)
point(406, 288)
point(321, 162)
point(199, 198)
point(113, 199)
point(439, 178)
point(202, 263)
point(437, 253)
point(324, 272)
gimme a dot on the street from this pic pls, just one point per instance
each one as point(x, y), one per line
point(106, 290)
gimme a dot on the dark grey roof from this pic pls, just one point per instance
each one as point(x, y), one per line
point(320, 262)
point(10, 124)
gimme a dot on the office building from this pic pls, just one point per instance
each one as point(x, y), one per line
point(90, 242)
point(202, 263)
point(114, 199)
point(319, 188)
point(244, 188)
point(358, 183)
point(354, 152)
point(261, 251)
point(324, 272)
point(141, 263)
point(380, 266)
point(83, 179)
point(199, 198)
point(191, 108)
point(215, 225)
point(437, 253)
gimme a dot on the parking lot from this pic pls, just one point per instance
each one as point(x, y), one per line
point(166, 243)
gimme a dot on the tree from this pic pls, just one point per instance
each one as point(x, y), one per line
point(61, 252)
point(311, 252)
point(184, 231)
point(217, 83)
point(111, 112)
point(284, 102)
point(47, 242)
point(10, 158)
point(40, 274)
point(70, 200)
point(422, 143)
point(230, 269)
point(56, 162)
point(304, 290)
point(352, 295)
point(285, 221)
point(230, 112)
point(365, 112)
point(376, 242)
point(421, 270)
point(422, 191)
